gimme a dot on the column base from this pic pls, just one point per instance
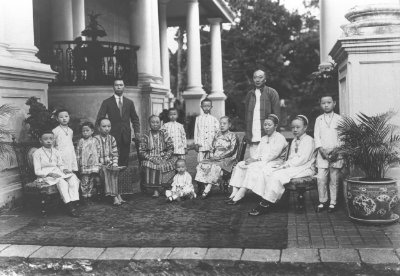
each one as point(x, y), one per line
point(193, 97)
point(3, 50)
point(22, 52)
point(218, 100)
point(325, 66)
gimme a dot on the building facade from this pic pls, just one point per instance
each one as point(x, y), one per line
point(41, 56)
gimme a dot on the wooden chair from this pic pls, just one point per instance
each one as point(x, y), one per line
point(33, 191)
point(226, 176)
point(300, 185)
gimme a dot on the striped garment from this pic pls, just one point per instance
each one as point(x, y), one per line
point(205, 129)
point(157, 146)
point(108, 154)
point(177, 133)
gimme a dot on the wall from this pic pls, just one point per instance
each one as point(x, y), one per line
point(84, 102)
point(114, 18)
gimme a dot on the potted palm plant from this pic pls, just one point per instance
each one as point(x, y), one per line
point(370, 144)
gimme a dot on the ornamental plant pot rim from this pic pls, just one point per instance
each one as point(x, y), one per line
point(363, 180)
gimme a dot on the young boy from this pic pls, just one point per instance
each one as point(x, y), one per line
point(49, 167)
point(177, 133)
point(108, 160)
point(205, 128)
point(326, 139)
point(182, 186)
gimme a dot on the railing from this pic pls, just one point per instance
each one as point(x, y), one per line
point(94, 62)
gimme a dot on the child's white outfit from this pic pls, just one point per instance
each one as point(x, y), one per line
point(181, 187)
point(326, 137)
point(50, 161)
point(63, 143)
point(177, 133)
point(205, 129)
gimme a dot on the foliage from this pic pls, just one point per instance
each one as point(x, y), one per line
point(40, 118)
point(6, 152)
point(284, 44)
point(370, 143)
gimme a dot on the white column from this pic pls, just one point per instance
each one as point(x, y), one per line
point(78, 17)
point(217, 83)
point(164, 50)
point(141, 35)
point(194, 91)
point(19, 29)
point(61, 20)
point(155, 26)
point(3, 43)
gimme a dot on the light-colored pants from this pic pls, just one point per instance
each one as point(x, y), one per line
point(69, 188)
point(253, 149)
point(325, 177)
point(203, 155)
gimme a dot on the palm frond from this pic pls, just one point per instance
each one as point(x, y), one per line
point(369, 142)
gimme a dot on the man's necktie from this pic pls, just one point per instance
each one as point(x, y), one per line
point(120, 105)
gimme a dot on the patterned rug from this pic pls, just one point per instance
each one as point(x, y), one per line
point(148, 222)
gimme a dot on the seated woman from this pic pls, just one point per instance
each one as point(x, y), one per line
point(271, 152)
point(156, 153)
point(225, 145)
point(301, 163)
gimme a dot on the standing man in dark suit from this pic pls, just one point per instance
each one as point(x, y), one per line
point(259, 103)
point(121, 112)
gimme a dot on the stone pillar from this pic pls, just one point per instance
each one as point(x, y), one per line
point(332, 17)
point(194, 91)
point(165, 52)
point(155, 26)
point(368, 58)
point(78, 17)
point(217, 83)
point(61, 20)
point(141, 35)
point(3, 43)
point(19, 29)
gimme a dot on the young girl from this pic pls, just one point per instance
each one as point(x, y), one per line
point(88, 160)
point(49, 168)
point(63, 140)
point(326, 139)
point(299, 164)
point(222, 157)
point(182, 185)
point(177, 133)
point(108, 158)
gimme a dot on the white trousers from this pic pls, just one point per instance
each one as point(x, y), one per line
point(68, 188)
point(328, 177)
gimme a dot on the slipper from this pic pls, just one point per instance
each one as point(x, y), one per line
point(117, 204)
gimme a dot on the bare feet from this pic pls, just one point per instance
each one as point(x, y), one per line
point(120, 199)
point(116, 201)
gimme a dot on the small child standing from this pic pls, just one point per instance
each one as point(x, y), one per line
point(88, 152)
point(108, 158)
point(49, 167)
point(182, 186)
point(205, 129)
point(177, 133)
point(326, 140)
point(63, 140)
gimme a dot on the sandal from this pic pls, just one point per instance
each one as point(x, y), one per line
point(259, 210)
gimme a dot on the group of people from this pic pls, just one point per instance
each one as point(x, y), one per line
point(162, 150)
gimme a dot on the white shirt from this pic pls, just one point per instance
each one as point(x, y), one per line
point(326, 137)
point(256, 129)
point(205, 129)
point(117, 99)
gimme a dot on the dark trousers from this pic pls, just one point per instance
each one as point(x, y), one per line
point(123, 151)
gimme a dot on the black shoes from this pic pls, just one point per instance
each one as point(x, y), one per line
point(232, 202)
point(261, 209)
point(72, 211)
point(321, 207)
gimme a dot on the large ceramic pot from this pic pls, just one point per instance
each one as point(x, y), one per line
point(371, 202)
